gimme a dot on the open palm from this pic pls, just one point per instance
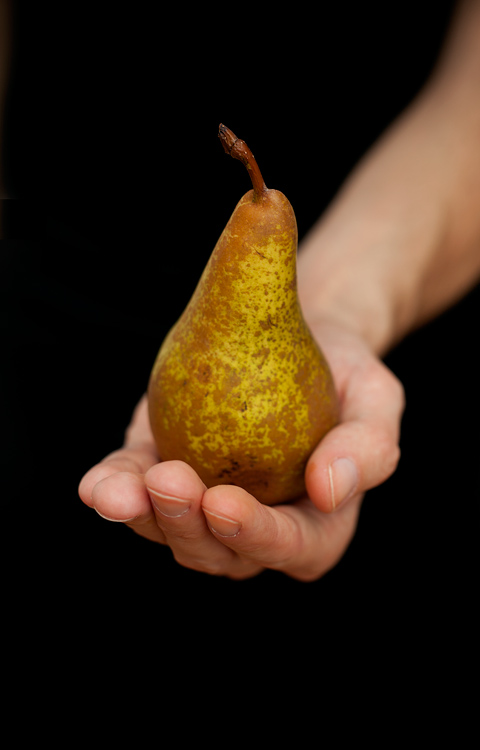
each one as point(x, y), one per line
point(223, 530)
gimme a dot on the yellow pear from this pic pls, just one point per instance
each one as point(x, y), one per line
point(239, 389)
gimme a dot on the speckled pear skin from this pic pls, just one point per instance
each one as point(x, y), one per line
point(239, 389)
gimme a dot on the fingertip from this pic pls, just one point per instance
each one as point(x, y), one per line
point(270, 536)
point(229, 509)
point(332, 482)
point(121, 497)
point(318, 485)
point(84, 490)
point(175, 479)
point(343, 479)
point(95, 475)
point(228, 500)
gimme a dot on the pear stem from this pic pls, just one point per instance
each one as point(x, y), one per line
point(239, 150)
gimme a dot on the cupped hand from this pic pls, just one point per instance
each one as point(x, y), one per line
point(223, 530)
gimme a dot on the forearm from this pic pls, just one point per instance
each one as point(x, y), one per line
point(401, 241)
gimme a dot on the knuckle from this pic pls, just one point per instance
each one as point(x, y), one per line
point(380, 376)
point(386, 451)
point(398, 390)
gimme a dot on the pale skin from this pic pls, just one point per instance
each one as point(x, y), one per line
point(399, 244)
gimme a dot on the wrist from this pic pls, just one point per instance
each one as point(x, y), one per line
point(400, 241)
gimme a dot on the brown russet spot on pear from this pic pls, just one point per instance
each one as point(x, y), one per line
point(239, 389)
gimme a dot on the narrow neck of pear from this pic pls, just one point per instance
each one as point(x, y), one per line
point(238, 149)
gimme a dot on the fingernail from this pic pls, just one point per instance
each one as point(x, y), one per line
point(343, 480)
point(222, 525)
point(117, 520)
point(171, 507)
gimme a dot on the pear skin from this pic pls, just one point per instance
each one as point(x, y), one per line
point(239, 389)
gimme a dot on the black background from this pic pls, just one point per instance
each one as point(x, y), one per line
point(120, 189)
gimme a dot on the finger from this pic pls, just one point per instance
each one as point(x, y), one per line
point(296, 539)
point(362, 451)
point(137, 460)
point(123, 497)
point(176, 493)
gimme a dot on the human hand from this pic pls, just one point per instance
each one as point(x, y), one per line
point(223, 530)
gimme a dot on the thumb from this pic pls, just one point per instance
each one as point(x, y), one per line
point(362, 451)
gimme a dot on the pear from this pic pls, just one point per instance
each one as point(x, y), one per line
point(239, 389)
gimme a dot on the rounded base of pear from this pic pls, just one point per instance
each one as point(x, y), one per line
point(269, 487)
